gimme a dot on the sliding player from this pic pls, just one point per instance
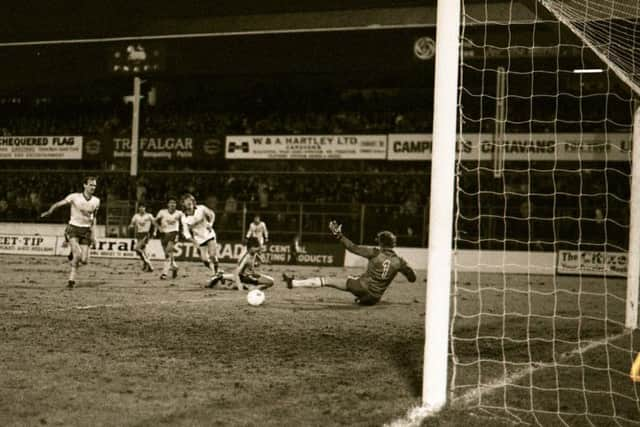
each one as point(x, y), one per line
point(258, 230)
point(382, 268)
point(79, 231)
point(168, 224)
point(142, 223)
point(197, 226)
point(245, 276)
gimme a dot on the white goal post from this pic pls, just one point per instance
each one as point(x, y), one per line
point(633, 272)
point(434, 389)
point(439, 328)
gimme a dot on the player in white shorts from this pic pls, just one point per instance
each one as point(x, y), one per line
point(143, 225)
point(79, 231)
point(197, 226)
point(168, 224)
point(258, 230)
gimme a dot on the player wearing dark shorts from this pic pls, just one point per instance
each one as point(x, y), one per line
point(383, 266)
point(83, 234)
point(167, 222)
point(143, 224)
point(79, 231)
point(142, 239)
point(246, 275)
point(166, 238)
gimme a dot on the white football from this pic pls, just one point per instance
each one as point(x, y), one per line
point(255, 297)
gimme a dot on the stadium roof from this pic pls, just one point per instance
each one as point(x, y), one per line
point(41, 20)
point(70, 42)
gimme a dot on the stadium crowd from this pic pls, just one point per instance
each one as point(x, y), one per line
point(393, 193)
point(537, 206)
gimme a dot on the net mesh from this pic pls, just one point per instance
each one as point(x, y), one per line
point(609, 27)
point(542, 213)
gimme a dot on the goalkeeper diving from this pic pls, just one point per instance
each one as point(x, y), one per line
point(382, 268)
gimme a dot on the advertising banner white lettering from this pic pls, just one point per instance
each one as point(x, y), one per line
point(41, 147)
point(614, 147)
point(419, 147)
point(158, 147)
point(27, 244)
point(318, 254)
point(306, 147)
point(593, 263)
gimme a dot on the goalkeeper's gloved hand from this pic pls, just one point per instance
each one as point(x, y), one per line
point(336, 229)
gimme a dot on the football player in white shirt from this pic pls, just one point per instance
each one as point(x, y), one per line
point(143, 224)
point(79, 231)
point(197, 227)
point(168, 224)
point(258, 230)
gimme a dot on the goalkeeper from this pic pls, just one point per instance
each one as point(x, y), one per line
point(382, 268)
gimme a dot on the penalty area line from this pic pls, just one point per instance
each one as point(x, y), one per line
point(122, 305)
point(118, 305)
point(416, 415)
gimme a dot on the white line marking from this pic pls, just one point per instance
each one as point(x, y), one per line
point(522, 373)
point(119, 305)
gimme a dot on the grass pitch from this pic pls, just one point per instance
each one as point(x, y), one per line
point(125, 348)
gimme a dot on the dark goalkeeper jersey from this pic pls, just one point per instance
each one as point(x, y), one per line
point(382, 268)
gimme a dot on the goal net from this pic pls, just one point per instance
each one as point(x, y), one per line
point(542, 212)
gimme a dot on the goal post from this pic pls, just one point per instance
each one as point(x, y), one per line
point(441, 205)
point(633, 271)
point(534, 177)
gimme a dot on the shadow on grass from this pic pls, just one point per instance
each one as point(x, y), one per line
point(407, 357)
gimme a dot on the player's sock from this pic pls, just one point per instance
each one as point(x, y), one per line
point(143, 257)
point(174, 269)
point(165, 269)
point(215, 266)
point(212, 267)
point(313, 282)
point(72, 273)
point(145, 260)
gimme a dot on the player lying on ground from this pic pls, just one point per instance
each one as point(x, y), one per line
point(79, 231)
point(246, 275)
point(143, 225)
point(197, 227)
point(382, 268)
point(168, 224)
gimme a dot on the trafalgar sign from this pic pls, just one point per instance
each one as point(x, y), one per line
point(161, 147)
